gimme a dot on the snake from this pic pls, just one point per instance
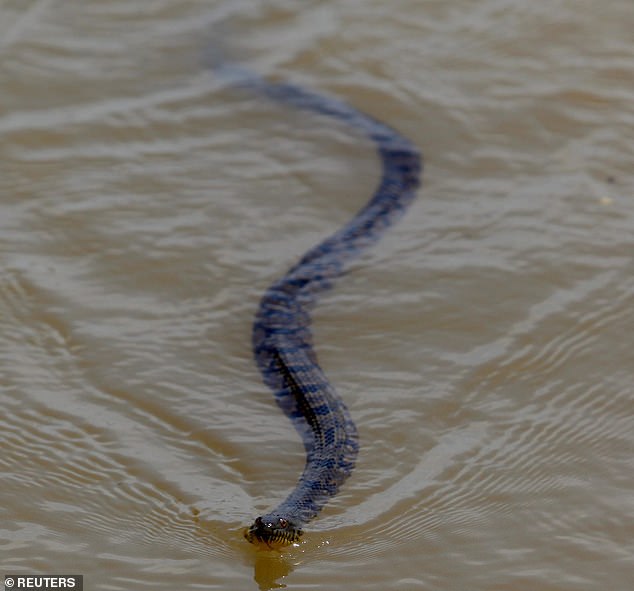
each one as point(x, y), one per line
point(281, 337)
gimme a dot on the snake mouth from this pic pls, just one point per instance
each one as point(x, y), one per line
point(273, 532)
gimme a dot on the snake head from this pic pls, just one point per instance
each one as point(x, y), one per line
point(274, 531)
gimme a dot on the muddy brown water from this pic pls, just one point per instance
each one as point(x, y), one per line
point(484, 347)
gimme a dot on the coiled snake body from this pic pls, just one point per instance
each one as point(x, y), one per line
point(282, 341)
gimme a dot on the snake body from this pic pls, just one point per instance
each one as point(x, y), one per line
point(282, 342)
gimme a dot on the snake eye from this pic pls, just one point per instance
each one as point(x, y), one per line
point(283, 522)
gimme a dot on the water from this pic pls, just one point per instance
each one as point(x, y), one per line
point(484, 347)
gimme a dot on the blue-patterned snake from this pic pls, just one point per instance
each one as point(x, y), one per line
point(282, 341)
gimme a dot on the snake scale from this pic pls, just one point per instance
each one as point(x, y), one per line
point(282, 341)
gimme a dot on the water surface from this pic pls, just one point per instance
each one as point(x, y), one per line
point(484, 347)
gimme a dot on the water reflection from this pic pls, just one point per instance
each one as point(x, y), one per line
point(269, 569)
